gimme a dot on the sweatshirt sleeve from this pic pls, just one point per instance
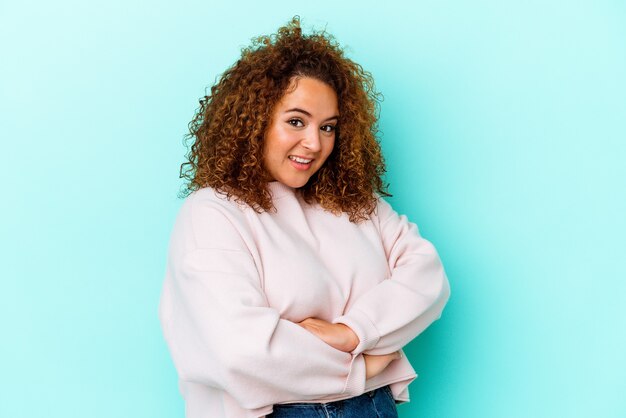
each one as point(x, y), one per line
point(222, 333)
point(392, 313)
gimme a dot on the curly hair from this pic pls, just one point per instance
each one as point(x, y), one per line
point(228, 128)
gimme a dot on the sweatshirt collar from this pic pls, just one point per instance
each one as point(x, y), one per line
point(279, 190)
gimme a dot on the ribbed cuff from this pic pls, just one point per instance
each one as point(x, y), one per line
point(355, 383)
point(363, 327)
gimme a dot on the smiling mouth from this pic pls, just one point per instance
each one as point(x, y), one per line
point(300, 160)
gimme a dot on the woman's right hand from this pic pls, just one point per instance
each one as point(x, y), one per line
point(375, 364)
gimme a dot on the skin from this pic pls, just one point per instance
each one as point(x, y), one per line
point(303, 125)
point(308, 132)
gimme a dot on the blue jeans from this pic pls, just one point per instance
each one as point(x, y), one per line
point(378, 403)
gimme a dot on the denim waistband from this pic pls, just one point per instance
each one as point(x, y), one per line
point(376, 403)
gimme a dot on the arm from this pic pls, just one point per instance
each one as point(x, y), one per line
point(222, 333)
point(342, 338)
point(395, 311)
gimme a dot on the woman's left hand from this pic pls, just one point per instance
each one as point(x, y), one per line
point(339, 336)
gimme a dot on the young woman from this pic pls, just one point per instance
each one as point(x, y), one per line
point(291, 286)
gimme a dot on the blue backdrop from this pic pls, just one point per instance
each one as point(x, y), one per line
point(504, 132)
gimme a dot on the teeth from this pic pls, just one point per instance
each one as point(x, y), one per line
point(299, 160)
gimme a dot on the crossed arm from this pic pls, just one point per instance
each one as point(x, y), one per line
point(341, 337)
point(418, 288)
point(223, 334)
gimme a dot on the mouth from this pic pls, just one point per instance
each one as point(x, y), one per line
point(300, 160)
point(300, 163)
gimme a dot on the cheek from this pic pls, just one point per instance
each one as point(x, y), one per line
point(281, 141)
point(330, 147)
point(273, 145)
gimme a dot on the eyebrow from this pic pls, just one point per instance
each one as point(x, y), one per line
point(297, 109)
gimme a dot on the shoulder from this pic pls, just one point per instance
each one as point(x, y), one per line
point(209, 217)
point(208, 202)
point(383, 210)
point(390, 222)
point(209, 197)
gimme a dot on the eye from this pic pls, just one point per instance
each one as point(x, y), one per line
point(296, 122)
point(329, 128)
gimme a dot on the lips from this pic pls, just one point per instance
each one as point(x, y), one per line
point(300, 163)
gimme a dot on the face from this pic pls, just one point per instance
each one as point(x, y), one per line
point(301, 134)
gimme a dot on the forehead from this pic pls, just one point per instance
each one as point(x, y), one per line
point(311, 93)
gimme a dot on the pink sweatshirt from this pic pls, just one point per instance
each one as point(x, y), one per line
point(238, 281)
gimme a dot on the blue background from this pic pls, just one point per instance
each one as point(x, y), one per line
point(504, 132)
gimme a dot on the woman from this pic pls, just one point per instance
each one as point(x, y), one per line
point(291, 286)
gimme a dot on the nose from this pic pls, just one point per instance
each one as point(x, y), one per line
point(311, 141)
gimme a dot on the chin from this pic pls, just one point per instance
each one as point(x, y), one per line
point(297, 184)
point(294, 183)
